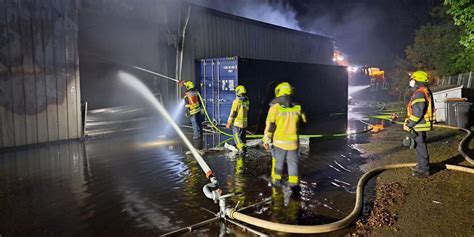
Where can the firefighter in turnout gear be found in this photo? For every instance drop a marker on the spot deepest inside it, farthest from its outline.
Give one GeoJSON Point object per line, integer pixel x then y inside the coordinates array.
{"type": "Point", "coordinates": [420, 118]}
{"type": "Point", "coordinates": [238, 117]}
{"type": "Point", "coordinates": [193, 108]}
{"type": "Point", "coordinates": [281, 133]}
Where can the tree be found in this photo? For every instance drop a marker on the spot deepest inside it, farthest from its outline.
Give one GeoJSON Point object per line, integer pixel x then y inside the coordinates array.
{"type": "Point", "coordinates": [462, 12]}
{"type": "Point", "coordinates": [436, 47]}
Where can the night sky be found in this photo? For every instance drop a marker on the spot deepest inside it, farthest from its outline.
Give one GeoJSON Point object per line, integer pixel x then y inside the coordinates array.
{"type": "Point", "coordinates": [370, 32]}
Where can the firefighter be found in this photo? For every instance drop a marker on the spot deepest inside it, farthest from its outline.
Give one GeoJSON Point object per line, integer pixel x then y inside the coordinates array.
{"type": "Point", "coordinates": [420, 118]}
{"type": "Point", "coordinates": [193, 108]}
{"type": "Point", "coordinates": [238, 117]}
{"type": "Point", "coordinates": [281, 133]}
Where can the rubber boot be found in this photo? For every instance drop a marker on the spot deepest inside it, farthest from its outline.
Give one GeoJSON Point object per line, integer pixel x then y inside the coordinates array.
{"type": "Point", "coordinates": [295, 191]}
{"type": "Point", "coordinates": [420, 173]}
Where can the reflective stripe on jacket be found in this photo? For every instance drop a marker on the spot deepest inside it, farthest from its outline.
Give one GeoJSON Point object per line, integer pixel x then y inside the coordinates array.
{"type": "Point", "coordinates": [420, 110]}
{"type": "Point", "coordinates": [239, 112]}
{"type": "Point", "coordinates": [192, 102]}
{"type": "Point", "coordinates": [282, 126]}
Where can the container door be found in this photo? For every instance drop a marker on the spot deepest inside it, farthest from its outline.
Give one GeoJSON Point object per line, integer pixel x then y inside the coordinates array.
{"type": "Point", "coordinates": [207, 88]}
{"type": "Point", "coordinates": [227, 81]}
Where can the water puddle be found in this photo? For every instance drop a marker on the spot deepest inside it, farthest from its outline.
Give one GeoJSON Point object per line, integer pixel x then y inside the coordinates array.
{"type": "Point", "coordinates": [143, 184]}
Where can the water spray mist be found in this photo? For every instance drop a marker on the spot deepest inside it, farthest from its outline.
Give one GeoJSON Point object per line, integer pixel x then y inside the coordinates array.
{"type": "Point", "coordinates": [136, 84]}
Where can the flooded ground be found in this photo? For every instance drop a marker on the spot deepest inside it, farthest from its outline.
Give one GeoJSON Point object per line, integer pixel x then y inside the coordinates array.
{"type": "Point", "coordinates": [145, 185]}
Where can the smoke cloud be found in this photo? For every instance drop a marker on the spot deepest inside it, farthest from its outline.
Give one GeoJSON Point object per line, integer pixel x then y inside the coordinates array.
{"type": "Point", "coordinates": [272, 12]}
{"type": "Point", "coordinates": [357, 30]}
{"type": "Point", "coordinates": [369, 32]}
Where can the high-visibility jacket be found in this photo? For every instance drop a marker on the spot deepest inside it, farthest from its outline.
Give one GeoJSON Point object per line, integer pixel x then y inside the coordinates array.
{"type": "Point", "coordinates": [192, 102]}
{"type": "Point", "coordinates": [239, 112]}
{"type": "Point", "coordinates": [282, 126]}
{"type": "Point", "coordinates": [420, 110]}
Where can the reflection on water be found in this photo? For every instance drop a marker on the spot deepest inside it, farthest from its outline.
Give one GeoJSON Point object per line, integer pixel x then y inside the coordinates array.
{"type": "Point", "coordinates": [43, 189]}
{"type": "Point", "coordinates": [131, 185]}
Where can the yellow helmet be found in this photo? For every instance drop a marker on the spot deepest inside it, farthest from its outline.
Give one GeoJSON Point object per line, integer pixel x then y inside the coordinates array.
{"type": "Point", "coordinates": [239, 90]}
{"type": "Point", "coordinates": [189, 85]}
{"type": "Point", "coordinates": [282, 89]}
{"type": "Point", "coordinates": [420, 76]}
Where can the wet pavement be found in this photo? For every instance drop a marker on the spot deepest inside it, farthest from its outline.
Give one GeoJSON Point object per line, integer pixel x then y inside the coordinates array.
{"type": "Point", "coordinates": [145, 185]}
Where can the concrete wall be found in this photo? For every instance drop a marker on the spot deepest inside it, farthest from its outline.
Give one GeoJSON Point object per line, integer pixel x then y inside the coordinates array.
{"type": "Point", "coordinates": [39, 72]}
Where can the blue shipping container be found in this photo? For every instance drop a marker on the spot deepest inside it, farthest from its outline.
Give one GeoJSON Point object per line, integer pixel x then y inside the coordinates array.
{"type": "Point", "coordinates": [320, 89]}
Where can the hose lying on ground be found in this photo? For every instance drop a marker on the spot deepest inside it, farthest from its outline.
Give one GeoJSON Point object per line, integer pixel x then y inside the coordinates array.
{"type": "Point", "coordinates": [348, 220]}
{"type": "Point", "coordinates": [462, 143]}
{"type": "Point", "coordinates": [261, 136]}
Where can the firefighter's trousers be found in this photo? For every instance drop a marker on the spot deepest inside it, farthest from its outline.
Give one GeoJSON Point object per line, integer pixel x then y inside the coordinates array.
{"type": "Point", "coordinates": [422, 157]}
{"type": "Point", "coordinates": [280, 157]}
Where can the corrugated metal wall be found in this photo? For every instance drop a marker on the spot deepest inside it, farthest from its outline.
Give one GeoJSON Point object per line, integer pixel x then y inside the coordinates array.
{"type": "Point", "coordinates": [63, 159]}
{"type": "Point", "coordinates": [39, 72]}
{"type": "Point", "coordinates": [213, 34]}
{"type": "Point", "coordinates": [117, 33]}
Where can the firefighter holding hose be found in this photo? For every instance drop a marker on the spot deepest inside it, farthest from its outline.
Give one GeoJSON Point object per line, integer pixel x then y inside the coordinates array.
{"type": "Point", "coordinates": [420, 118]}
{"type": "Point", "coordinates": [238, 117]}
{"type": "Point", "coordinates": [193, 108]}
{"type": "Point", "coordinates": [281, 132]}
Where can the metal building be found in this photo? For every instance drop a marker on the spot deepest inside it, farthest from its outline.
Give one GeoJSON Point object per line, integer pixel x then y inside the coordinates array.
{"type": "Point", "coordinates": [39, 86]}
{"type": "Point", "coordinates": [39, 72]}
{"type": "Point", "coordinates": [212, 34]}
{"type": "Point", "coordinates": [116, 34]}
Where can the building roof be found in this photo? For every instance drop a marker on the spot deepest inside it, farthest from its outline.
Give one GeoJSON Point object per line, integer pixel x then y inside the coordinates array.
{"type": "Point", "coordinates": [255, 22]}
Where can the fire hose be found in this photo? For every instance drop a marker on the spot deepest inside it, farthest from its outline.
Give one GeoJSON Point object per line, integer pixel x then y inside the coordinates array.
{"type": "Point", "coordinates": [214, 126]}
{"type": "Point", "coordinates": [232, 213]}
{"type": "Point", "coordinates": [210, 190]}
{"type": "Point", "coordinates": [349, 219]}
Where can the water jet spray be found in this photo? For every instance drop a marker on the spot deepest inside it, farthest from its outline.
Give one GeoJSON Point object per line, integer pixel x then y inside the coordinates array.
{"type": "Point", "coordinates": [354, 89]}
{"type": "Point", "coordinates": [136, 84]}
{"type": "Point", "coordinates": [210, 190]}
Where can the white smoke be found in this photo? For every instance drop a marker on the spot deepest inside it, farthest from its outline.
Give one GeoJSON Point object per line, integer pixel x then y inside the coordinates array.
{"type": "Point", "coordinates": [276, 13]}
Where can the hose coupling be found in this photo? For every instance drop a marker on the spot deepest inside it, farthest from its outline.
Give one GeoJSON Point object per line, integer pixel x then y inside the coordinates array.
{"type": "Point", "coordinates": [222, 204]}
{"type": "Point", "coordinates": [229, 212]}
